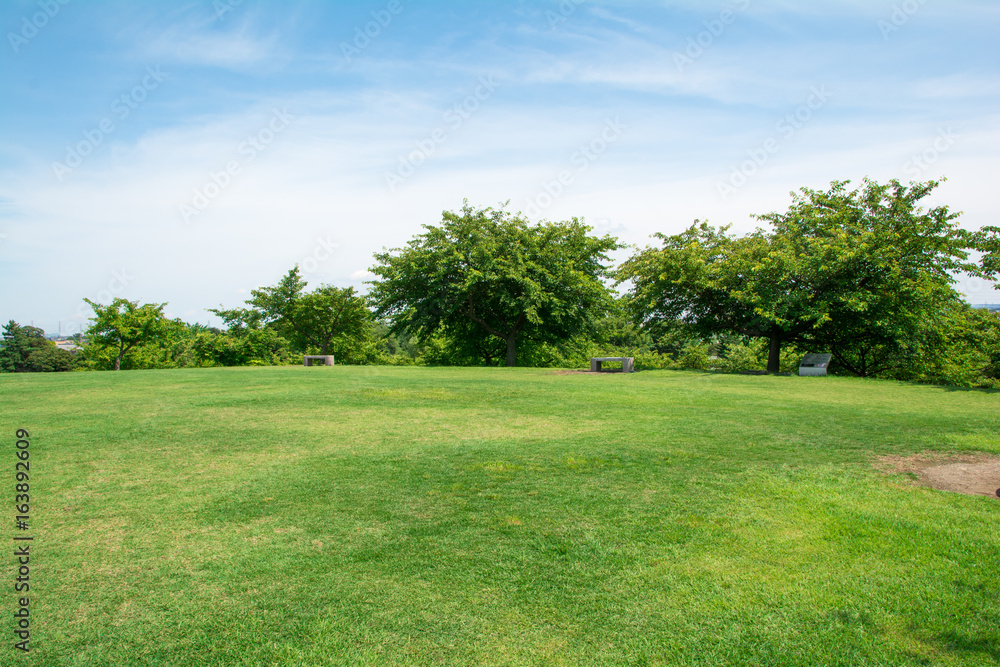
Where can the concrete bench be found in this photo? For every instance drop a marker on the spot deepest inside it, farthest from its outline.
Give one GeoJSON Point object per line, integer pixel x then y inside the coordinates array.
{"type": "Point", "coordinates": [815, 364]}
{"type": "Point", "coordinates": [628, 363]}
{"type": "Point", "coordinates": [319, 359]}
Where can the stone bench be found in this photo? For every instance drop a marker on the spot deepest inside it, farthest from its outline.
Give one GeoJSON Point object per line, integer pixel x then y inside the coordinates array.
{"type": "Point", "coordinates": [321, 359]}
{"type": "Point", "coordinates": [628, 363]}
{"type": "Point", "coordinates": [815, 364]}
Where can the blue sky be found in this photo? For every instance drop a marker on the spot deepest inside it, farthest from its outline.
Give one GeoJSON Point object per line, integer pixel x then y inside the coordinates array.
{"type": "Point", "coordinates": [188, 152]}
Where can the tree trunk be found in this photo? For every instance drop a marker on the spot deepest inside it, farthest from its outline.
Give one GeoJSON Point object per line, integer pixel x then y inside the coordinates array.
{"type": "Point", "coordinates": [511, 356]}
{"type": "Point", "coordinates": [774, 354]}
{"type": "Point", "coordinates": [118, 362]}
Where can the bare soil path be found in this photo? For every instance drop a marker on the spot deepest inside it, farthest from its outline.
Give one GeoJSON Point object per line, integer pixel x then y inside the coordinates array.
{"type": "Point", "coordinates": [973, 474]}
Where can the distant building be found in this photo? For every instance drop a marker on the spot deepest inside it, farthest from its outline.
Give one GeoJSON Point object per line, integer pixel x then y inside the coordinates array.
{"type": "Point", "coordinates": [992, 307]}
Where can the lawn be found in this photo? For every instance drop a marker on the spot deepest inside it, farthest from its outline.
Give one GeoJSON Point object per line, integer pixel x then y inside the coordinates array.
{"type": "Point", "coordinates": [442, 516]}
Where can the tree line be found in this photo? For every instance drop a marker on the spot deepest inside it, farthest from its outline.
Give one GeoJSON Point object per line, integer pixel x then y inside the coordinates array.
{"type": "Point", "coordinates": [865, 274]}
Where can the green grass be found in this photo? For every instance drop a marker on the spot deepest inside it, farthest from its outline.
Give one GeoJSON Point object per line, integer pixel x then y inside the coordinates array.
{"type": "Point", "coordinates": [435, 516]}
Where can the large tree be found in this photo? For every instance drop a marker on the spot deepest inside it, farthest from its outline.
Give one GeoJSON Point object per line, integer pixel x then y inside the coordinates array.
{"type": "Point", "coordinates": [123, 325]}
{"type": "Point", "coordinates": [494, 271]}
{"type": "Point", "coordinates": [837, 269]}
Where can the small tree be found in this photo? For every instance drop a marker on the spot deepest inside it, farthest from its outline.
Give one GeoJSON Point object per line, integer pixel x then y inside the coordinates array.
{"type": "Point", "coordinates": [268, 306]}
{"type": "Point", "coordinates": [319, 318]}
{"type": "Point", "coordinates": [125, 324]}
{"type": "Point", "coordinates": [326, 313]}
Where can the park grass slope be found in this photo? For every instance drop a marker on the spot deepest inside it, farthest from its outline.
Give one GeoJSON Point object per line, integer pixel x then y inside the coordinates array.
{"type": "Point", "coordinates": [426, 516]}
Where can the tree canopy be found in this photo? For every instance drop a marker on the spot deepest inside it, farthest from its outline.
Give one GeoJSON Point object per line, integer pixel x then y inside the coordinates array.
{"type": "Point", "coordinates": [488, 273]}
{"type": "Point", "coordinates": [849, 270]}
{"type": "Point", "coordinates": [123, 324]}
{"type": "Point", "coordinates": [319, 318]}
{"type": "Point", "coordinates": [25, 349]}
{"type": "Point", "coordinates": [268, 306]}
{"type": "Point", "coordinates": [326, 313]}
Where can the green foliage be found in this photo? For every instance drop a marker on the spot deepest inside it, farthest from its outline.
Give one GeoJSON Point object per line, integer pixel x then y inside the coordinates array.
{"type": "Point", "coordinates": [741, 357]}
{"type": "Point", "coordinates": [486, 273]}
{"type": "Point", "coordinates": [694, 357]}
{"type": "Point", "coordinates": [50, 359]}
{"type": "Point", "coordinates": [394, 348]}
{"type": "Point", "coordinates": [460, 346]}
{"type": "Point", "coordinates": [183, 345]}
{"type": "Point", "coordinates": [269, 306]}
{"type": "Point", "coordinates": [987, 241]}
{"type": "Point", "coordinates": [327, 314]}
{"type": "Point", "coordinates": [328, 320]}
{"type": "Point", "coordinates": [26, 350]}
{"type": "Point", "coordinates": [122, 325]}
{"type": "Point", "coordinates": [249, 347]}
{"type": "Point", "coordinates": [958, 346]}
{"type": "Point", "coordinates": [19, 343]}
{"type": "Point", "coordinates": [853, 271]}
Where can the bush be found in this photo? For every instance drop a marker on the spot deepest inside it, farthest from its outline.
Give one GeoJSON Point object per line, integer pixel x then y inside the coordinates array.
{"type": "Point", "coordinates": [740, 358]}
{"type": "Point", "coordinates": [694, 357]}
{"type": "Point", "coordinates": [51, 359]}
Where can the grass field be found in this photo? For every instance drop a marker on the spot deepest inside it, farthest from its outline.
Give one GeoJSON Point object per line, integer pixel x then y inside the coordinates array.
{"type": "Point", "coordinates": [436, 516]}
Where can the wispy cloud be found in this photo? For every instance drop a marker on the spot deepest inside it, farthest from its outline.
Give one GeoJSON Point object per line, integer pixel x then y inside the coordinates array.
{"type": "Point", "coordinates": [234, 48]}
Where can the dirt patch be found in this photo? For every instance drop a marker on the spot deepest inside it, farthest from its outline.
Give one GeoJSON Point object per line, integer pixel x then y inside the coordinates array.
{"type": "Point", "coordinates": [972, 474]}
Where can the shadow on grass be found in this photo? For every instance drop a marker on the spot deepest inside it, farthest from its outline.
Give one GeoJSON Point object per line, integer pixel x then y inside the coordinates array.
{"type": "Point", "coordinates": [989, 646]}
{"type": "Point", "coordinates": [978, 390]}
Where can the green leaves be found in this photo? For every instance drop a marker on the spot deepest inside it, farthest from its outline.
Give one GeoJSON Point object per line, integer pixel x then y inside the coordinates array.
{"type": "Point", "coordinates": [25, 348]}
{"type": "Point", "coordinates": [123, 324]}
{"type": "Point", "coordinates": [496, 272]}
{"type": "Point", "coordinates": [836, 268]}
{"type": "Point", "coordinates": [328, 317]}
{"type": "Point", "coordinates": [326, 314]}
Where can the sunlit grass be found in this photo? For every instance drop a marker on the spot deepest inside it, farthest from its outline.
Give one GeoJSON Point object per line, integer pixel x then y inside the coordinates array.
{"type": "Point", "coordinates": [396, 516]}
